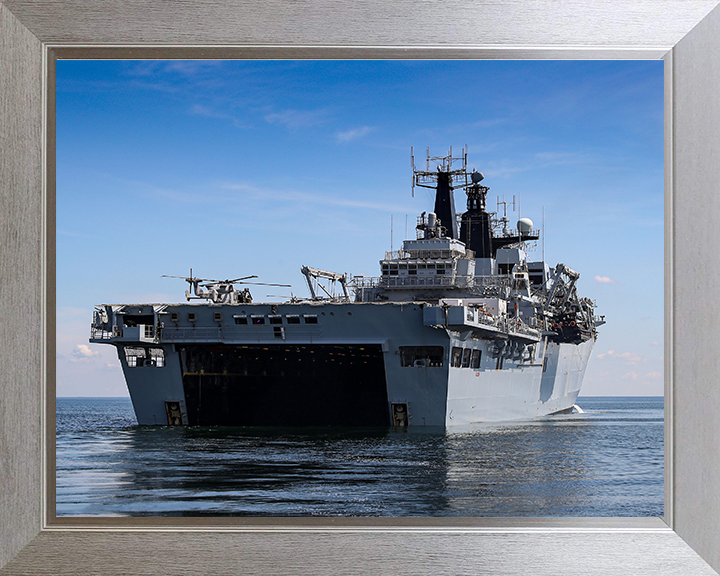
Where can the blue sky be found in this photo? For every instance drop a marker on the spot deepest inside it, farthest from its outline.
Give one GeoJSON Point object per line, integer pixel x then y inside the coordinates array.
{"type": "Point", "coordinates": [236, 168]}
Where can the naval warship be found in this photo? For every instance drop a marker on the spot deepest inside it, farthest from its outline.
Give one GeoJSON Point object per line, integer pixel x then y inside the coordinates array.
{"type": "Point", "coordinates": [459, 327]}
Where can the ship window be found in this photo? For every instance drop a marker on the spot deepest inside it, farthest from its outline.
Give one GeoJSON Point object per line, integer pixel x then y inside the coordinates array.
{"type": "Point", "coordinates": [431, 356]}
{"type": "Point", "coordinates": [393, 272]}
{"type": "Point", "coordinates": [134, 356]}
{"type": "Point", "coordinates": [385, 273]}
{"type": "Point", "coordinates": [403, 266]}
{"type": "Point", "coordinates": [445, 253]}
{"type": "Point", "coordinates": [191, 316]}
{"type": "Point", "coordinates": [431, 265]}
{"type": "Point", "coordinates": [174, 316]}
{"type": "Point", "coordinates": [293, 319]}
{"type": "Point", "coordinates": [240, 319]}
{"type": "Point", "coordinates": [258, 319]}
{"type": "Point", "coordinates": [217, 316]}
{"type": "Point", "coordinates": [157, 358]}
{"type": "Point", "coordinates": [393, 266]}
{"type": "Point", "coordinates": [456, 359]}
{"type": "Point", "coordinates": [310, 319]}
{"type": "Point", "coordinates": [412, 272]}
{"type": "Point", "coordinates": [440, 271]}
{"type": "Point", "coordinates": [136, 319]}
{"type": "Point", "coordinates": [466, 358]}
{"type": "Point", "coordinates": [412, 265]}
{"type": "Point", "coordinates": [422, 266]}
{"type": "Point", "coordinates": [275, 319]}
{"type": "Point", "coordinates": [476, 356]}
{"type": "Point", "coordinates": [384, 266]}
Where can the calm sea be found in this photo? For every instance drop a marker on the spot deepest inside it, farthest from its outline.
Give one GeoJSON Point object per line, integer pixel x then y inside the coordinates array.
{"type": "Point", "coordinates": [605, 462]}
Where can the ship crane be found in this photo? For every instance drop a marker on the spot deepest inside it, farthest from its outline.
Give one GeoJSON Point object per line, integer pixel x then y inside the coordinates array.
{"type": "Point", "coordinates": [313, 274]}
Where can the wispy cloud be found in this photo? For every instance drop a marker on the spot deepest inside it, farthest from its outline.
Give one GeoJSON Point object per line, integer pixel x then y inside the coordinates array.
{"type": "Point", "coordinates": [192, 67]}
{"type": "Point", "coordinates": [353, 134]}
{"type": "Point", "coordinates": [200, 110]}
{"type": "Point", "coordinates": [184, 67]}
{"type": "Point", "coordinates": [631, 359]}
{"type": "Point", "coordinates": [486, 123]}
{"type": "Point", "coordinates": [83, 353]}
{"type": "Point", "coordinates": [297, 119]}
{"type": "Point", "coordinates": [306, 198]}
{"type": "Point", "coordinates": [558, 157]}
{"type": "Point", "coordinates": [605, 280]}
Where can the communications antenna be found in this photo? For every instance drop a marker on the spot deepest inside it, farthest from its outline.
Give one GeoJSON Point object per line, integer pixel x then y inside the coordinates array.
{"type": "Point", "coordinates": [428, 178]}
{"type": "Point", "coordinates": [504, 218]}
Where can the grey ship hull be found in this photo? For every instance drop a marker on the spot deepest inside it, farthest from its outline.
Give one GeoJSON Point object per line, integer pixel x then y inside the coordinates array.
{"type": "Point", "coordinates": [353, 364]}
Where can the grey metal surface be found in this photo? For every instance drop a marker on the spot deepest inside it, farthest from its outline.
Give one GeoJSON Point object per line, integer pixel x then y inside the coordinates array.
{"type": "Point", "coordinates": [634, 23]}
{"type": "Point", "coordinates": [383, 552]}
{"type": "Point", "coordinates": [20, 279]}
{"type": "Point", "coordinates": [696, 173]}
{"type": "Point", "coordinates": [532, 29]}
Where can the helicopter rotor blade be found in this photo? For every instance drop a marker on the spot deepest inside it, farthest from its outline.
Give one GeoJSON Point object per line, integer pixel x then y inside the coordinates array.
{"type": "Point", "coordinates": [190, 279]}
{"type": "Point", "coordinates": [264, 284]}
{"type": "Point", "coordinates": [239, 279]}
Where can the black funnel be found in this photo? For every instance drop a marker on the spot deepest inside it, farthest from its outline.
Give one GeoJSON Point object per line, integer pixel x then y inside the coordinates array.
{"type": "Point", "coordinates": [445, 204]}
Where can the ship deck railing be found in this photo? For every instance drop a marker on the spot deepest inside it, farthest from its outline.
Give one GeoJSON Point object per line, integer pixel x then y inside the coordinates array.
{"type": "Point", "coordinates": [100, 334]}
{"type": "Point", "coordinates": [433, 281]}
{"type": "Point", "coordinates": [425, 254]}
{"type": "Point", "coordinates": [228, 334]}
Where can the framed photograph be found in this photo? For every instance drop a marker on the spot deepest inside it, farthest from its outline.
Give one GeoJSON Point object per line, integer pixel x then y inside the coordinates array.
{"type": "Point", "coordinates": [249, 169]}
{"type": "Point", "coordinates": [33, 539]}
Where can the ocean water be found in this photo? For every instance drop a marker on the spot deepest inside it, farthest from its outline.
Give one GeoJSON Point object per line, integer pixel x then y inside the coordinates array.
{"type": "Point", "coordinates": [607, 461]}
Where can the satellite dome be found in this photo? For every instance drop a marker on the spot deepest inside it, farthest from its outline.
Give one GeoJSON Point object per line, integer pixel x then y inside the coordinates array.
{"type": "Point", "coordinates": [525, 225]}
{"type": "Point", "coordinates": [477, 177]}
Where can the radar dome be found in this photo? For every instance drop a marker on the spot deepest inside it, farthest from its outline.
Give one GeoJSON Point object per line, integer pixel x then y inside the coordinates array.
{"type": "Point", "coordinates": [525, 225]}
{"type": "Point", "coordinates": [477, 177]}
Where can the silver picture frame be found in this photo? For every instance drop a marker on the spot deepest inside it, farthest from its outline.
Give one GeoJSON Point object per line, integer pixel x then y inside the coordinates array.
{"type": "Point", "coordinates": [685, 33]}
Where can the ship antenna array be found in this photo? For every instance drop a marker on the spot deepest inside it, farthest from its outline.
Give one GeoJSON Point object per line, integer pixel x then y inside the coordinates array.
{"type": "Point", "coordinates": [444, 163]}
{"type": "Point", "coordinates": [504, 218]}
{"type": "Point", "coordinates": [543, 233]}
{"type": "Point", "coordinates": [505, 205]}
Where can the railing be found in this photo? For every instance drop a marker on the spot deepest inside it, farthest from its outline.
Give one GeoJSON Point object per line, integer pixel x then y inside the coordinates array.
{"type": "Point", "coordinates": [182, 334]}
{"type": "Point", "coordinates": [424, 254]}
{"type": "Point", "coordinates": [100, 334]}
{"type": "Point", "coordinates": [143, 332]}
{"type": "Point", "coordinates": [500, 233]}
{"type": "Point", "coordinates": [519, 327]}
{"type": "Point", "coordinates": [246, 334]}
{"type": "Point", "coordinates": [473, 316]}
{"type": "Point", "coordinates": [434, 281]}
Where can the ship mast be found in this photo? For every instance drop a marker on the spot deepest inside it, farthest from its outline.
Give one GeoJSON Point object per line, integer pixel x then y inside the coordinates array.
{"type": "Point", "coordinates": [444, 179]}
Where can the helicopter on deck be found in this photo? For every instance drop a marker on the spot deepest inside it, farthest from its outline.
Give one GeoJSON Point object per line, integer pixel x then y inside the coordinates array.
{"type": "Point", "coordinates": [220, 291]}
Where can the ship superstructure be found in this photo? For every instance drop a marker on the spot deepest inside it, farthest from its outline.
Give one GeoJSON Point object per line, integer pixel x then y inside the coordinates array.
{"type": "Point", "coordinates": [459, 327]}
